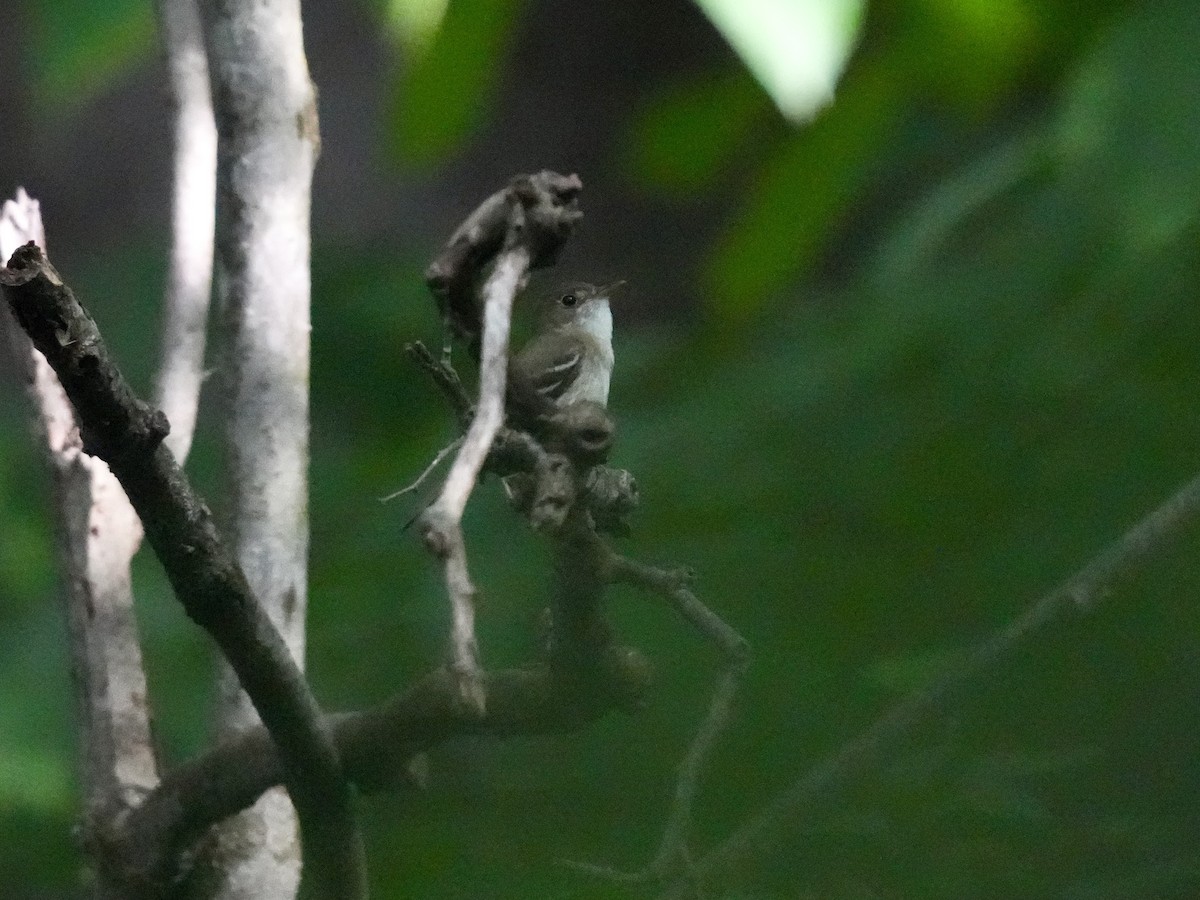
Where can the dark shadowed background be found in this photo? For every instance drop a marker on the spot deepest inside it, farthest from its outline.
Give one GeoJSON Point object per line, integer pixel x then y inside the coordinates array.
{"type": "Point", "coordinates": [883, 378]}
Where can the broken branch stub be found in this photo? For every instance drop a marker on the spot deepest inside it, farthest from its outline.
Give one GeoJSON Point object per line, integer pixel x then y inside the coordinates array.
{"type": "Point", "coordinates": [537, 211]}
{"type": "Point", "coordinates": [510, 233]}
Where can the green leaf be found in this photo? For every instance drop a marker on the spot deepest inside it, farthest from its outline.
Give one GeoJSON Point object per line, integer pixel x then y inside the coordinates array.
{"type": "Point", "coordinates": [416, 22]}
{"type": "Point", "coordinates": [443, 94]}
{"type": "Point", "coordinates": [689, 132]}
{"type": "Point", "coordinates": [986, 44]}
{"type": "Point", "coordinates": [805, 187]}
{"type": "Point", "coordinates": [796, 49]}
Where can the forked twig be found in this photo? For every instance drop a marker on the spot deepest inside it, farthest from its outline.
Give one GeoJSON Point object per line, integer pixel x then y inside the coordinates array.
{"type": "Point", "coordinates": [555, 477]}
{"type": "Point", "coordinates": [588, 564]}
{"type": "Point", "coordinates": [127, 434]}
{"type": "Point", "coordinates": [673, 859]}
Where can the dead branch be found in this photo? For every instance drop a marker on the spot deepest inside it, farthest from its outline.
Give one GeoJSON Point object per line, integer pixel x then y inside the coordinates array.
{"type": "Point", "coordinates": [127, 434]}
{"type": "Point", "coordinates": [375, 746]}
{"type": "Point", "coordinates": [537, 212]}
{"type": "Point", "coordinates": [548, 489]}
{"type": "Point", "coordinates": [98, 534]}
{"type": "Point", "coordinates": [441, 523]}
{"type": "Point", "coordinates": [514, 230]}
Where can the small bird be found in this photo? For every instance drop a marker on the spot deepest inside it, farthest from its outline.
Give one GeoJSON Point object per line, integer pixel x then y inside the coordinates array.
{"type": "Point", "coordinates": [570, 358]}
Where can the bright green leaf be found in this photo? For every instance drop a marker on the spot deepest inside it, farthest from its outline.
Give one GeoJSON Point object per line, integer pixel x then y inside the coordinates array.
{"type": "Point", "coordinates": [797, 49]}
{"type": "Point", "coordinates": [985, 44]}
{"type": "Point", "coordinates": [416, 22]}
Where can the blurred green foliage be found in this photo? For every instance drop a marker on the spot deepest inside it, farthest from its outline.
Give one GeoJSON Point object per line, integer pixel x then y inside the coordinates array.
{"type": "Point", "coordinates": [443, 91]}
{"type": "Point", "coordinates": [415, 22]}
{"type": "Point", "coordinates": [77, 48]}
{"type": "Point", "coordinates": [871, 471]}
{"type": "Point", "coordinates": [664, 154]}
{"type": "Point", "coordinates": [795, 48]}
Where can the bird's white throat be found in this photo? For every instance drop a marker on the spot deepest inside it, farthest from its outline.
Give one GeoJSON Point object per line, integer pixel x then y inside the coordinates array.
{"type": "Point", "coordinates": [596, 320]}
{"type": "Point", "coordinates": [595, 324]}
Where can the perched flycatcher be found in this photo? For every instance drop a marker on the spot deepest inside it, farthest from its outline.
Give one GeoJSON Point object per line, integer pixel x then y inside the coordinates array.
{"type": "Point", "coordinates": [570, 357]}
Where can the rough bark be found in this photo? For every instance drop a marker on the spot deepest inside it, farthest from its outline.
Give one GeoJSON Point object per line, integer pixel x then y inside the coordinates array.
{"type": "Point", "coordinates": [265, 106]}
{"type": "Point", "coordinates": [128, 435]}
{"type": "Point", "coordinates": [98, 533]}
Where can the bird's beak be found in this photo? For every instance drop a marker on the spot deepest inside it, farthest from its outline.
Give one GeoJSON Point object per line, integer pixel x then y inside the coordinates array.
{"type": "Point", "coordinates": [609, 289]}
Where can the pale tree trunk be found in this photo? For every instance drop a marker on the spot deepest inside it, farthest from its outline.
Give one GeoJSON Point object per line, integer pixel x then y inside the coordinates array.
{"type": "Point", "coordinates": [97, 535]}
{"type": "Point", "coordinates": [266, 114]}
{"type": "Point", "coordinates": [98, 530]}
{"type": "Point", "coordinates": [189, 279]}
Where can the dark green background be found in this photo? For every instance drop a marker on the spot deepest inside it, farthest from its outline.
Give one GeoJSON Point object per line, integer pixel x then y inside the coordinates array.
{"type": "Point", "coordinates": [933, 352]}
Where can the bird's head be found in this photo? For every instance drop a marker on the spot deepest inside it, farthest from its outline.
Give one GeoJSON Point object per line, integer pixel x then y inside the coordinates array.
{"type": "Point", "coordinates": [578, 304]}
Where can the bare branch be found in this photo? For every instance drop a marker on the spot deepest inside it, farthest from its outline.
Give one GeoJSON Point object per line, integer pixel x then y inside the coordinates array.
{"type": "Point", "coordinates": [673, 858]}
{"type": "Point", "coordinates": [128, 435]}
{"type": "Point", "coordinates": [535, 211]}
{"type": "Point", "coordinates": [193, 205]}
{"type": "Point", "coordinates": [1095, 582]}
{"type": "Point", "coordinates": [588, 675]}
{"type": "Point", "coordinates": [375, 746]}
{"type": "Point", "coordinates": [672, 586]}
{"type": "Point", "coordinates": [441, 524]}
{"type": "Point", "coordinates": [522, 227]}
{"type": "Point", "coordinates": [98, 533]}
{"type": "Point", "coordinates": [545, 487]}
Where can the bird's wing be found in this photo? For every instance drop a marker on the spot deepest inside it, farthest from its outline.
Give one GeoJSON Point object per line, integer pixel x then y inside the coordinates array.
{"type": "Point", "coordinates": [550, 367]}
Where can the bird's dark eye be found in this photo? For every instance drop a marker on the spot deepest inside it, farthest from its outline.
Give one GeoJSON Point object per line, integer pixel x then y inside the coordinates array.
{"type": "Point", "coordinates": [568, 300]}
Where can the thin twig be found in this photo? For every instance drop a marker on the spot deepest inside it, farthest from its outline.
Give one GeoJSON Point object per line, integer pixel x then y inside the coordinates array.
{"type": "Point", "coordinates": [1092, 584]}
{"type": "Point", "coordinates": [673, 858]}
{"type": "Point", "coordinates": [420, 479]}
{"type": "Point", "coordinates": [446, 378]}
